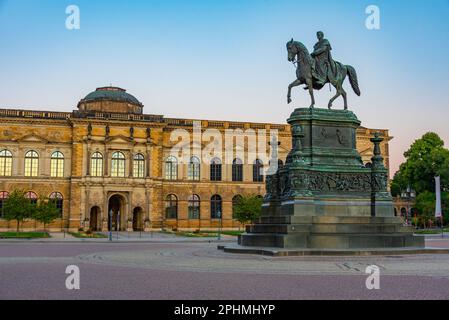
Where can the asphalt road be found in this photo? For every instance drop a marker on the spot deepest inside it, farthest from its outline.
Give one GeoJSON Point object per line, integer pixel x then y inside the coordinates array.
{"type": "Point", "coordinates": [197, 270]}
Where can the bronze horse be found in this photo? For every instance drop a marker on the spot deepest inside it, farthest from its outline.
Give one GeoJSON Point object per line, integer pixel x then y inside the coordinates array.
{"type": "Point", "coordinates": [299, 54]}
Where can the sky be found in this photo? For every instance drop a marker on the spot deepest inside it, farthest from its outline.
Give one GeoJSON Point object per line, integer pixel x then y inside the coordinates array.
{"type": "Point", "coordinates": [226, 59]}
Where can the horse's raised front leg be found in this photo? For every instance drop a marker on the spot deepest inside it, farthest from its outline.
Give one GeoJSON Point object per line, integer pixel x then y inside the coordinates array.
{"type": "Point", "coordinates": [310, 86]}
{"type": "Point", "coordinates": [290, 86]}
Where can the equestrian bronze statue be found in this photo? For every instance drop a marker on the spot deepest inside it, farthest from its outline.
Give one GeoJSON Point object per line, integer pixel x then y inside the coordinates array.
{"type": "Point", "coordinates": [318, 68]}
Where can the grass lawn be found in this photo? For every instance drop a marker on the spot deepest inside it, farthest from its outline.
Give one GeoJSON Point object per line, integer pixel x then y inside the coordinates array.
{"type": "Point", "coordinates": [85, 235]}
{"type": "Point", "coordinates": [431, 231]}
{"type": "Point", "coordinates": [23, 235]}
{"type": "Point", "coordinates": [226, 232]}
{"type": "Point", "coordinates": [207, 233]}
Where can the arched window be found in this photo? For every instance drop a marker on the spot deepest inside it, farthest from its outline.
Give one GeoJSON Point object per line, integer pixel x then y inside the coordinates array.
{"type": "Point", "coordinates": [235, 201]}
{"type": "Point", "coordinates": [237, 170]}
{"type": "Point", "coordinates": [216, 207]}
{"type": "Point", "coordinates": [171, 207]}
{"type": "Point", "coordinates": [5, 163]}
{"type": "Point", "coordinates": [3, 196]}
{"type": "Point", "coordinates": [215, 170]}
{"type": "Point", "coordinates": [194, 169]}
{"type": "Point", "coordinates": [194, 207]}
{"type": "Point", "coordinates": [57, 165]}
{"type": "Point", "coordinates": [96, 168]}
{"type": "Point", "coordinates": [118, 165]}
{"type": "Point", "coordinates": [257, 171]}
{"type": "Point", "coordinates": [171, 168]}
{"type": "Point", "coordinates": [58, 199]}
{"type": "Point", "coordinates": [139, 166]}
{"type": "Point", "coordinates": [31, 163]}
{"type": "Point", "coordinates": [32, 196]}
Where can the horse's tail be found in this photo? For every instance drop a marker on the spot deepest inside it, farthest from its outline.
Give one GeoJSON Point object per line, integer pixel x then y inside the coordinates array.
{"type": "Point", "coordinates": [353, 79]}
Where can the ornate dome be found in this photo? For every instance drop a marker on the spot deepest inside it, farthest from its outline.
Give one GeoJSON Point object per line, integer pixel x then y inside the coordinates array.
{"type": "Point", "coordinates": [110, 99]}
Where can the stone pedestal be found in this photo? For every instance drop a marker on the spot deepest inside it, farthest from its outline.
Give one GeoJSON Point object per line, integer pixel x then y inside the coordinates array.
{"type": "Point", "coordinates": [324, 196]}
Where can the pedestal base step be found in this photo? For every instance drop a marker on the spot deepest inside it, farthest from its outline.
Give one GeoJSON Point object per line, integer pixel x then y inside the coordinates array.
{"type": "Point", "coordinates": [282, 252]}
{"type": "Point", "coordinates": [331, 240]}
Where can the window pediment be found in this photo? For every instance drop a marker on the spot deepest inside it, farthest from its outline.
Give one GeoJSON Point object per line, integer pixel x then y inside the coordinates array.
{"type": "Point", "coordinates": [32, 138]}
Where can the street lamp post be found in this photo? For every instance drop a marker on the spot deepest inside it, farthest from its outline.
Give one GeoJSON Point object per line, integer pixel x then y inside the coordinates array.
{"type": "Point", "coordinates": [408, 194]}
{"type": "Point", "coordinates": [110, 225]}
{"type": "Point", "coordinates": [117, 223]}
{"type": "Point", "coordinates": [219, 226]}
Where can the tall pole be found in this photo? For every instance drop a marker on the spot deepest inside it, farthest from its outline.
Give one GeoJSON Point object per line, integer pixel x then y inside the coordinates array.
{"type": "Point", "coordinates": [438, 211]}
{"type": "Point", "coordinates": [117, 224]}
{"type": "Point", "coordinates": [110, 225]}
{"type": "Point", "coordinates": [219, 226]}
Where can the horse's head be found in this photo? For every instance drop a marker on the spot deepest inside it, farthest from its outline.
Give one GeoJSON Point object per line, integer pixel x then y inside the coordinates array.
{"type": "Point", "coordinates": [292, 50]}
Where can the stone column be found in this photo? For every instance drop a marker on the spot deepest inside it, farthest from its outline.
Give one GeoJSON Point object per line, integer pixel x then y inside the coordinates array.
{"type": "Point", "coordinates": [88, 160]}
{"type": "Point", "coordinates": [148, 162]}
{"type": "Point", "coordinates": [131, 163]}
{"type": "Point", "coordinates": [105, 212]}
{"type": "Point", "coordinates": [147, 212]}
{"type": "Point", "coordinates": [129, 214]}
{"type": "Point", "coordinates": [106, 162]}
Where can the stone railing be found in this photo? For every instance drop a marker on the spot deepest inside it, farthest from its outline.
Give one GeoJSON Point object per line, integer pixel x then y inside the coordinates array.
{"type": "Point", "coordinates": [13, 113]}
{"type": "Point", "coordinates": [34, 114]}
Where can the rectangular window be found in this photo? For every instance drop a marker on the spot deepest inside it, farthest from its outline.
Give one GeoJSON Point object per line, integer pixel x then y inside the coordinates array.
{"type": "Point", "coordinates": [5, 166]}
{"type": "Point", "coordinates": [97, 167]}
{"type": "Point", "coordinates": [194, 212]}
{"type": "Point", "coordinates": [31, 166]}
{"type": "Point", "coordinates": [139, 168]}
{"type": "Point", "coordinates": [194, 171]}
{"type": "Point", "coordinates": [118, 168]}
{"type": "Point", "coordinates": [215, 172]}
{"type": "Point", "coordinates": [57, 168]}
{"type": "Point", "coordinates": [171, 171]}
{"type": "Point", "coordinates": [237, 172]}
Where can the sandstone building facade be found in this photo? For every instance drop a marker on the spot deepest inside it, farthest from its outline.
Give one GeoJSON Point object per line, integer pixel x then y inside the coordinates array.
{"type": "Point", "coordinates": [110, 166]}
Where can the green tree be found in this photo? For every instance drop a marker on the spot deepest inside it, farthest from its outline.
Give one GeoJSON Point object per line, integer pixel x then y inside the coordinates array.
{"type": "Point", "coordinates": [46, 211]}
{"type": "Point", "coordinates": [425, 203]}
{"type": "Point", "coordinates": [17, 207]}
{"type": "Point", "coordinates": [248, 208]}
{"type": "Point", "coordinates": [425, 159]}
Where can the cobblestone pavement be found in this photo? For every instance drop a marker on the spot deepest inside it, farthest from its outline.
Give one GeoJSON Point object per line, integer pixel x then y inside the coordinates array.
{"type": "Point", "coordinates": [197, 270]}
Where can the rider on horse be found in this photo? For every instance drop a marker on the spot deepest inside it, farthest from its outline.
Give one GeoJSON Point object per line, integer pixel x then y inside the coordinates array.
{"type": "Point", "coordinates": [323, 68]}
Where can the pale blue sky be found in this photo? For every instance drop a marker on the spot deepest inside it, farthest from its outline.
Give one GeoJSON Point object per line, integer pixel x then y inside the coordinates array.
{"type": "Point", "coordinates": [226, 59]}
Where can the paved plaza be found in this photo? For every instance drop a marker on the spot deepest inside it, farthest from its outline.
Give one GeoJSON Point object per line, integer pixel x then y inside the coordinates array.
{"type": "Point", "coordinates": [166, 267]}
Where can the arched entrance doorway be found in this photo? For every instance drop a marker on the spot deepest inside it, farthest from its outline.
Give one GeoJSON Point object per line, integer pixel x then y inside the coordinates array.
{"type": "Point", "coordinates": [94, 218]}
{"type": "Point", "coordinates": [137, 219]}
{"type": "Point", "coordinates": [116, 213]}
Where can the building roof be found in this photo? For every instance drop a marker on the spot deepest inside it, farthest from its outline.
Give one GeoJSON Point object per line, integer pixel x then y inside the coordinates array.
{"type": "Point", "coordinates": [111, 94]}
